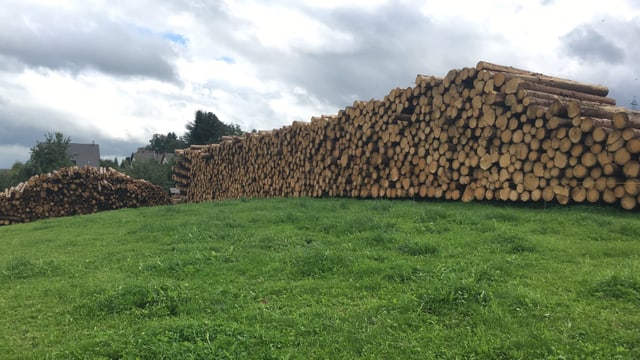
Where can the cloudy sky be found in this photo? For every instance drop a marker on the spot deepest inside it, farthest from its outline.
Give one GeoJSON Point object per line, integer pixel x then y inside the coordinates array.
{"type": "Point", "coordinates": [116, 72]}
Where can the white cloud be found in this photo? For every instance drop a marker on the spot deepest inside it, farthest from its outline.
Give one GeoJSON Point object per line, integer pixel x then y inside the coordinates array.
{"type": "Point", "coordinates": [296, 105]}
{"type": "Point", "coordinates": [120, 71]}
{"type": "Point", "coordinates": [362, 4]}
{"type": "Point", "coordinates": [288, 29]}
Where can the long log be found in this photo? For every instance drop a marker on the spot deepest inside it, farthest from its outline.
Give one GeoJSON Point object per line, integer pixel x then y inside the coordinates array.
{"type": "Point", "coordinates": [625, 119]}
{"type": "Point", "coordinates": [537, 78]}
{"type": "Point", "coordinates": [562, 94]}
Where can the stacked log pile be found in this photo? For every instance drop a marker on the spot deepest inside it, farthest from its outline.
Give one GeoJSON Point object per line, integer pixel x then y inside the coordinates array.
{"type": "Point", "coordinates": [486, 132]}
{"type": "Point", "coordinates": [74, 191]}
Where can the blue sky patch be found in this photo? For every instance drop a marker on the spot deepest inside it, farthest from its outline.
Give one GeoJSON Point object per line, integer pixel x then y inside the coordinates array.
{"type": "Point", "coordinates": [176, 38]}
{"type": "Point", "coordinates": [227, 59]}
{"type": "Point", "coordinates": [173, 37]}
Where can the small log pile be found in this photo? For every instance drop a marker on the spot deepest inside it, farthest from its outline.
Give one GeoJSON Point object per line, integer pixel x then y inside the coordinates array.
{"type": "Point", "coordinates": [481, 133]}
{"type": "Point", "coordinates": [75, 191]}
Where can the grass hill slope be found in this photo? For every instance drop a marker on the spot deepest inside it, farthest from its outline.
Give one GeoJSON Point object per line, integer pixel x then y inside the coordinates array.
{"type": "Point", "coordinates": [323, 278]}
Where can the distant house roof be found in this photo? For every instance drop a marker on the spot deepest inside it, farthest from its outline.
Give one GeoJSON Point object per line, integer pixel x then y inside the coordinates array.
{"type": "Point", "coordinates": [84, 154]}
{"type": "Point", "coordinates": [146, 155]}
{"type": "Point", "coordinates": [167, 157]}
{"type": "Point", "coordinates": [143, 155]}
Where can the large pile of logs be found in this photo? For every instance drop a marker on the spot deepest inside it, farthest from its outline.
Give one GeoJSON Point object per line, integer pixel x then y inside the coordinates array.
{"type": "Point", "coordinates": [74, 191]}
{"type": "Point", "coordinates": [487, 132]}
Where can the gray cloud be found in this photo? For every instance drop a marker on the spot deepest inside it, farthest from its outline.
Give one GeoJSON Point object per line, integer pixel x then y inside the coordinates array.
{"type": "Point", "coordinates": [23, 127]}
{"type": "Point", "coordinates": [610, 55]}
{"type": "Point", "coordinates": [623, 83]}
{"type": "Point", "coordinates": [79, 41]}
{"type": "Point", "coordinates": [10, 64]}
{"type": "Point", "coordinates": [634, 3]}
{"type": "Point", "coordinates": [391, 44]}
{"type": "Point", "coordinates": [387, 47]}
{"type": "Point", "coordinates": [12, 154]}
{"type": "Point", "coordinates": [371, 68]}
{"type": "Point", "coordinates": [588, 44]}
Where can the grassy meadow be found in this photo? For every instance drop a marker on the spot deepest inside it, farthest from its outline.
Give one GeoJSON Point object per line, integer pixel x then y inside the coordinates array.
{"type": "Point", "coordinates": [324, 279]}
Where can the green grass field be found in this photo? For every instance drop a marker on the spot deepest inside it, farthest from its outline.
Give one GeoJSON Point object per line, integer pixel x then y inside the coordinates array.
{"type": "Point", "coordinates": [324, 279]}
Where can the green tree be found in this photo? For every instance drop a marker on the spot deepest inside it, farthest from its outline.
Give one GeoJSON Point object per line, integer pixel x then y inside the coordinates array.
{"type": "Point", "coordinates": [5, 180]}
{"type": "Point", "coordinates": [165, 143]}
{"type": "Point", "coordinates": [13, 176]}
{"type": "Point", "coordinates": [206, 128]}
{"type": "Point", "coordinates": [150, 170]}
{"type": "Point", "coordinates": [108, 163]}
{"type": "Point", "coordinates": [48, 155]}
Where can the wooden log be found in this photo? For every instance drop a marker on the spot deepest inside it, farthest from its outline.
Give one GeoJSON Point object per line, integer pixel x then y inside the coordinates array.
{"type": "Point", "coordinates": [630, 133]}
{"type": "Point", "coordinates": [579, 194]}
{"type": "Point", "coordinates": [587, 124]}
{"type": "Point", "coordinates": [615, 141]}
{"type": "Point", "coordinates": [584, 108]}
{"type": "Point", "coordinates": [600, 134]}
{"type": "Point", "coordinates": [628, 202]}
{"type": "Point", "coordinates": [622, 119]}
{"type": "Point", "coordinates": [557, 108]}
{"type": "Point", "coordinates": [515, 81]}
{"type": "Point", "coordinates": [575, 135]}
{"type": "Point", "coordinates": [557, 122]}
{"type": "Point", "coordinates": [632, 187]}
{"type": "Point", "coordinates": [554, 93]}
{"type": "Point", "coordinates": [593, 195]}
{"type": "Point", "coordinates": [631, 169]}
{"type": "Point", "coordinates": [621, 156]}
{"type": "Point", "coordinates": [597, 90]}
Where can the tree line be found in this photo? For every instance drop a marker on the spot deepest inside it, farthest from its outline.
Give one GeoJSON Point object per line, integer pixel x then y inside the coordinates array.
{"type": "Point", "coordinates": [51, 154]}
{"type": "Point", "coordinates": [206, 128]}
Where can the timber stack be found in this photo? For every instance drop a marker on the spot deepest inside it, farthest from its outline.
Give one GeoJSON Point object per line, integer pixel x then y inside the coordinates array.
{"type": "Point", "coordinates": [75, 191]}
{"type": "Point", "coordinates": [488, 132]}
